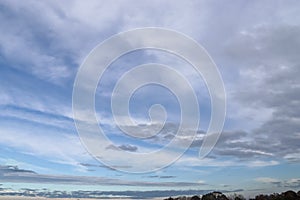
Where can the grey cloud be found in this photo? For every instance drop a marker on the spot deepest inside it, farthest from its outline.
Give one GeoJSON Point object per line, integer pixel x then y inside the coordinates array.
{"type": "Point", "coordinates": [42, 63]}
{"type": "Point", "coordinates": [8, 169]}
{"type": "Point", "coordinates": [264, 44]}
{"type": "Point", "coordinates": [268, 52]}
{"type": "Point", "coordinates": [14, 174]}
{"type": "Point", "coordinates": [113, 167]}
{"type": "Point", "coordinates": [89, 165]}
{"type": "Point", "coordinates": [125, 147]}
{"type": "Point", "coordinates": [237, 144]}
{"type": "Point", "coordinates": [275, 65]}
{"type": "Point", "coordinates": [167, 133]}
{"type": "Point", "coordinates": [291, 183]}
{"type": "Point", "coordinates": [53, 32]}
{"type": "Point", "coordinates": [36, 117]}
{"type": "Point", "coordinates": [240, 145]}
{"type": "Point", "coordinates": [153, 176]}
{"type": "Point", "coordinates": [268, 62]}
{"type": "Point", "coordinates": [128, 147]}
{"type": "Point", "coordinates": [109, 194]}
{"type": "Point", "coordinates": [161, 177]}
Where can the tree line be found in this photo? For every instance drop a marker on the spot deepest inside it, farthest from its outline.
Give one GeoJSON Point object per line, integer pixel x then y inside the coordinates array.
{"type": "Point", "coordinates": [288, 195]}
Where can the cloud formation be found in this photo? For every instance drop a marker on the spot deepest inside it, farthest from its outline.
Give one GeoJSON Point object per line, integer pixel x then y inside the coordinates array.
{"type": "Point", "coordinates": [14, 174]}
{"type": "Point", "coordinates": [290, 183]}
{"type": "Point", "coordinates": [255, 44]}
{"type": "Point", "coordinates": [125, 147]}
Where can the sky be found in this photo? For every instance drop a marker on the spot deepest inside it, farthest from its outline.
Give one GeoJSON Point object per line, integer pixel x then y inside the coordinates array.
{"type": "Point", "coordinates": [254, 44]}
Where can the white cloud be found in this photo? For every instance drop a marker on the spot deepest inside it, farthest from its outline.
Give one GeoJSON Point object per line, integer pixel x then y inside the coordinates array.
{"type": "Point", "coordinates": [288, 183]}
{"type": "Point", "coordinates": [218, 162]}
{"type": "Point", "coordinates": [258, 55]}
{"type": "Point", "coordinates": [267, 180]}
{"type": "Point", "coordinates": [52, 145]}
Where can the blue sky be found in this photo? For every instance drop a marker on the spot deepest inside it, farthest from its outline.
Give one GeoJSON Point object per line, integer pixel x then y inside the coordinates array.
{"type": "Point", "coordinates": [255, 45]}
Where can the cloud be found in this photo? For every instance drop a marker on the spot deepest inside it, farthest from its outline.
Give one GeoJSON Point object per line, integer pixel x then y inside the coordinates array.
{"type": "Point", "coordinates": [14, 170]}
{"type": "Point", "coordinates": [37, 117]}
{"type": "Point", "coordinates": [268, 180]}
{"type": "Point", "coordinates": [29, 31]}
{"type": "Point", "coordinates": [113, 167]}
{"type": "Point", "coordinates": [161, 177]}
{"type": "Point", "coordinates": [194, 161]}
{"type": "Point", "coordinates": [14, 174]}
{"type": "Point", "coordinates": [44, 75]}
{"type": "Point", "coordinates": [54, 54]}
{"type": "Point", "coordinates": [132, 194]}
{"type": "Point", "coordinates": [237, 145]}
{"type": "Point", "coordinates": [25, 96]}
{"type": "Point", "coordinates": [290, 183]}
{"type": "Point", "coordinates": [125, 147]}
{"type": "Point", "coordinates": [57, 26]}
{"type": "Point", "coordinates": [269, 84]}
{"type": "Point", "coordinates": [257, 53]}
{"type": "Point", "coordinates": [39, 139]}
{"type": "Point", "coordinates": [265, 93]}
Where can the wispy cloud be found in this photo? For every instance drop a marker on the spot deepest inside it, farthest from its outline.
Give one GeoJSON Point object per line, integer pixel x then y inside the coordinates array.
{"type": "Point", "coordinates": [290, 183]}
{"type": "Point", "coordinates": [256, 46]}
{"type": "Point", "coordinates": [125, 147]}
{"type": "Point", "coordinates": [14, 174]}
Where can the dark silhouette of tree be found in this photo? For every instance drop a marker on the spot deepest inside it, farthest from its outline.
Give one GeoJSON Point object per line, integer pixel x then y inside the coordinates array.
{"type": "Point", "coordinates": [288, 195]}
{"type": "Point", "coordinates": [214, 196]}
{"type": "Point", "coordinates": [236, 197]}
{"type": "Point", "coordinates": [261, 197]}
{"type": "Point", "coordinates": [170, 198]}
{"type": "Point", "coordinates": [195, 198]}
